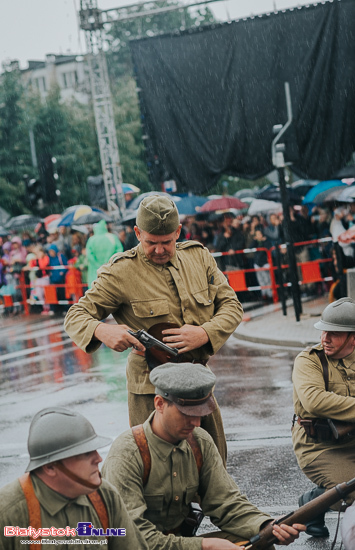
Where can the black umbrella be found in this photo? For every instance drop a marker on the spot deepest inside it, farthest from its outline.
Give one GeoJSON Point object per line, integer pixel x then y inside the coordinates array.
{"type": "Point", "coordinates": [347, 172]}
{"type": "Point", "coordinates": [25, 221]}
{"type": "Point", "coordinates": [93, 217]}
{"type": "Point", "coordinates": [274, 194]}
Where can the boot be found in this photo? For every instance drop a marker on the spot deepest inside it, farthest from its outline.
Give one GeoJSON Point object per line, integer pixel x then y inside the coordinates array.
{"type": "Point", "coordinates": [316, 527]}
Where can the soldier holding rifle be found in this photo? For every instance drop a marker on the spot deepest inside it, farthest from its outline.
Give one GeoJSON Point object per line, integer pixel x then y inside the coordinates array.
{"type": "Point", "coordinates": [164, 467]}
{"type": "Point", "coordinates": [324, 423]}
{"type": "Point", "coordinates": [159, 281]}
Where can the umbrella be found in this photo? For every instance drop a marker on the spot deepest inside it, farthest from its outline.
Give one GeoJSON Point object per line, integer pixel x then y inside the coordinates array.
{"type": "Point", "coordinates": [129, 217]}
{"type": "Point", "coordinates": [3, 231]}
{"type": "Point", "coordinates": [263, 206]}
{"type": "Point", "coordinates": [245, 193]}
{"type": "Point", "coordinates": [191, 204]}
{"type": "Point", "coordinates": [48, 222]}
{"type": "Point", "coordinates": [274, 194]}
{"type": "Point", "coordinates": [347, 195]}
{"type": "Point", "coordinates": [223, 203]}
{"type": "Point", "coordinates": [79, 213]}
{"type": "Point", "coordinates": [129, 188]}
{"type": "Point", "coordinates": [303, 186]}
{"type": "Point", "coordinates": [136, 202]}
{"type": "Point", "coordinates": [319, 188]}
{"type": "Point", "coordinates": [25, 221]}
{"type": "Point", "coordinates": [346, 172]}
{"type": "Point", "coordinates": [348, 236]}
{"type": "Point", "coordinates": [331, 195]}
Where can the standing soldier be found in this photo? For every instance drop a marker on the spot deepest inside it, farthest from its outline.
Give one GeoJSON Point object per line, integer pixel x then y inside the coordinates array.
{"type": "Point", "coordinates": [63, 488]}
{"type": "Point", "coordinates": [158, 281]}
{"type": "Point", "coordinates": [324, 389]}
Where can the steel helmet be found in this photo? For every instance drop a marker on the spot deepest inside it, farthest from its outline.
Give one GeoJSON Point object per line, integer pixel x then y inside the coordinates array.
{"type": "Point", "coordinates": [338, 316]}
{"type": "Point", "coordinates": [57, 433]}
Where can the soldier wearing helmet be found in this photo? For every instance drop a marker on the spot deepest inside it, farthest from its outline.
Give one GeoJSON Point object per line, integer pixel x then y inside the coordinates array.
{"type": "Point", "coordinates": [62, 496]}
{"type": "Point", "coordinates": [323, 431]}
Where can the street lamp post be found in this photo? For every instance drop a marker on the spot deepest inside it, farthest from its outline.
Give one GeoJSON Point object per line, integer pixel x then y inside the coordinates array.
{"type": "Point", "coordinates": [278, 160]}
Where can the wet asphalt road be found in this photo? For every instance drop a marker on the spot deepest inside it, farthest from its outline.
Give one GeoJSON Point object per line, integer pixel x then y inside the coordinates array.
{"type": "Point", "coordinates": [41, 367]}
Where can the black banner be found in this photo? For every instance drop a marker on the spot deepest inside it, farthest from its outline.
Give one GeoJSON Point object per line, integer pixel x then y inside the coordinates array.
{"type": "Point", "coordinates": [210, 96]}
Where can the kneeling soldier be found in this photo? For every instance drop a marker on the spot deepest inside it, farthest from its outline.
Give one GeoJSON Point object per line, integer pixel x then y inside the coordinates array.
{"type": "Point", "coordinates": [62, 498]}
{"type": "Point", "coordinates": [161, 466]}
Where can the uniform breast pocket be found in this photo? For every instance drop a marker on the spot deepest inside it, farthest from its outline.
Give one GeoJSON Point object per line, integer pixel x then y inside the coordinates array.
{"type": "Point", "coordinates": [204, 300]}
{"type": "Point", "coordinates": [150, 308]}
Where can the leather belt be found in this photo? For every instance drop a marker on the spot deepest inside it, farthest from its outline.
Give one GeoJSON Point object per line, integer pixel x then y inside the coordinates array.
{"type": "Point", "coordinates": [138, 352]}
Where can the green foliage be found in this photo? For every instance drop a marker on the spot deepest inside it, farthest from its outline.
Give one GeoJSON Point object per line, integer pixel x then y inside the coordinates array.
{"type": "Point", "coordinates": [121, 32]}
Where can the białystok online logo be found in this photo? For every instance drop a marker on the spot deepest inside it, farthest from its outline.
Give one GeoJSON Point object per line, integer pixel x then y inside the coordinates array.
{"type": "Point", "coordinates": [83, 529]}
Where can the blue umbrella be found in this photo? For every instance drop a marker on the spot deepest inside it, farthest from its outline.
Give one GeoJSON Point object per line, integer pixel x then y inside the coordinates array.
{"type": "Point", "coordinates": [190, 205]}
{"type": "Point", "coordinates": [320, 188]}
{"type": "Point", "coordinates": [73, 214]}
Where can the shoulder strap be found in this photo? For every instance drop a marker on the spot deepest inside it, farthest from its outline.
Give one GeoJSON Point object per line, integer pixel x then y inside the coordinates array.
{"type": "Point", "coordinates": [100, 507]}
{"type": "Point", "coordinates": [142, 444]}
{"type": "Point", "coordinates": [323, 360]}
{"type": "Point", "coordinates": [195, 447]}
{"type": "Point", "coordinates": [34, 508]}
{"type": "Point", "coordinates": [33, 505]}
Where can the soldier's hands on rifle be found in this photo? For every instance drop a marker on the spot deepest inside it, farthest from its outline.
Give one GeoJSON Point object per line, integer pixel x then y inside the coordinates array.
{"type": "Point", "coordinates": [287, 534]}
{"type": "Point", "coordinates": [116, 337]}
{"type": "Point", "coordinates": [185, 338]}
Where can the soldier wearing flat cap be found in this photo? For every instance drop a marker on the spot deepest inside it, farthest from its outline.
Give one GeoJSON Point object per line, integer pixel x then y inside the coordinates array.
{"type": "Point", "coordinates": [158, 281]}
{"type": "Point", "coordinates": [323, 394]}
{"type": "Point", "coordinates": [161, 466]}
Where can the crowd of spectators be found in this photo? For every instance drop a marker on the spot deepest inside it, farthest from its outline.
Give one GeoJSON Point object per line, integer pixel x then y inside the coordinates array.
{"type": "Point", "coordinates": [62, 257]}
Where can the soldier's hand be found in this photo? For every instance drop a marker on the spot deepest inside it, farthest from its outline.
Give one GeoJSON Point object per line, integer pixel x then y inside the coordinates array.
{"type": "Point", "coordinates": [185, 338]}
{"type": "Point", "coordinates": [286, 534]}
{"type": "Point", "coordinates": [219, 544]}
{"type": "Point", "coordinates": [116, 337]}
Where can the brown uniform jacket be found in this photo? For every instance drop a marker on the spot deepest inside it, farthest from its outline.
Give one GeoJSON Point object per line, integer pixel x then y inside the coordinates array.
{"type": "Point", "coordinates": [311, 400]}
{"type": "Point", "coordinates": [189, 289]}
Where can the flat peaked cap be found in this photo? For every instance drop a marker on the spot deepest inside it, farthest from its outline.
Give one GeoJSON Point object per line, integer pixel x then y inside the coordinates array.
{"type": "Point", "coordinates": [187, 385]}
{"type": "Point", "coordinates": [157, 215]}
{"type": "Point", "coordinates": [338, 316]}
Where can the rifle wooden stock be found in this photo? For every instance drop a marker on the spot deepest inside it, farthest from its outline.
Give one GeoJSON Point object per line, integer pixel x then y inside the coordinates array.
{"type": "Point", "coordinates": [302, 515]}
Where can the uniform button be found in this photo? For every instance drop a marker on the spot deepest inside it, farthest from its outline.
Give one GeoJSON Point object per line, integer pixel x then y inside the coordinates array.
{"type": "Point", "coordinates": [174, 450]}
{"type": "Point", "coordinates": [151, 312]}
{"type": "Point", "coordinates": [349, 377]}
{"type": "Point", "coordinates": [174, 474]}
{"type": "Point", "coordinates": [176, 498]}
{"type": "Point", "coordinates": [210, 301]}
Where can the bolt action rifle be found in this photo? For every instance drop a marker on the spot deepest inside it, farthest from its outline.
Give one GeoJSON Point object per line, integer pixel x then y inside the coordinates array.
{"type": "Point", "coordinates": [306, 513]}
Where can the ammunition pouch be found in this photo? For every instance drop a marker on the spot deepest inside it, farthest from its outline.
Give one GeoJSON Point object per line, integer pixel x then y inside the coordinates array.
{"type": "Point", "coordinates": [326, 429]}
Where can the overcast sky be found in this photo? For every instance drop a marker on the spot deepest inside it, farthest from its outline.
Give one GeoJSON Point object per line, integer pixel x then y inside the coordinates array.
{"type": "Point", "coordinates": [30, 29]}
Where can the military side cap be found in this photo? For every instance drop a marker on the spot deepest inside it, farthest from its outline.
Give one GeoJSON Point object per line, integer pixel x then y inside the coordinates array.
{"type": "Point", "coordinates": [157, 215]}
{"type": "Point", "coordinates": [338, 316]}
{"type": "Point", "coordinates": [187, 385]}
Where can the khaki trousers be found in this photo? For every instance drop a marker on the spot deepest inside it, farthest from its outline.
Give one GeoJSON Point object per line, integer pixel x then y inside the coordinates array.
{"type": "Point", "coordinates": [140, 406]}
{"type": "Point", "coordinates": [333, 467]}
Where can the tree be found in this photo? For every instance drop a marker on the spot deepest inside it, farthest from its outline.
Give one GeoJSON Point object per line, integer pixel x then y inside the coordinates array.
{"type": "Point", "coordinates": [14, 144]}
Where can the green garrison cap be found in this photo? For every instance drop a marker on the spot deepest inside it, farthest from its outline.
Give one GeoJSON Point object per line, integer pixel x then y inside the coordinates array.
{"type": "Point", "coordinates": [157, 215]}
{"type": "Point", "coordinates": [187, 385]}
{"type": "Point", "coordinates": [57, 433]}
{"type": "Point", "coordinates": [338, 316]}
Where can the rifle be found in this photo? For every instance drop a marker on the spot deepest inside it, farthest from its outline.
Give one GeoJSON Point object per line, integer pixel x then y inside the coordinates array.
{"type": "Point", "coordinates": [306, 513]}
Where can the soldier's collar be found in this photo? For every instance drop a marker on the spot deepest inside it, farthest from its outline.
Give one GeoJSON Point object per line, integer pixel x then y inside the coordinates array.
{"type": "Point", "coordinates": [52, 501]}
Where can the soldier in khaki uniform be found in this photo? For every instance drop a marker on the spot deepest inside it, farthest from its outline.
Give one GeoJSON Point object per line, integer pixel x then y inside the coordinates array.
{"type": "Point", "coordinates": [324, 388]}
{"type": "Point", "coordinates": [64, 488]}
{"type": "Point", "coordinates": [159, 500]}
{"type": "Point", "coordinates": [158, 281]}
